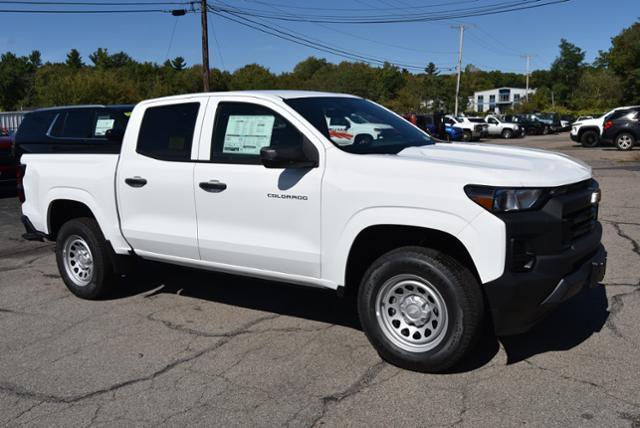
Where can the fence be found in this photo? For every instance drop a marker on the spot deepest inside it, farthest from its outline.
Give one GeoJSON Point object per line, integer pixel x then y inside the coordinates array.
{"type": "Point", "coordinates": [10, 120]}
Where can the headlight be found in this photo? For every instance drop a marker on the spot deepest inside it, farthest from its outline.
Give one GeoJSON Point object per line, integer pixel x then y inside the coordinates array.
{"type": "Point", "coordinates": [506, 199]}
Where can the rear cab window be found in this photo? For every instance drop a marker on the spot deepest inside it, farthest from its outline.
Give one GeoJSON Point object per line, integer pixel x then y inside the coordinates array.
{"type": "Point", "coordinates": [166, 132]}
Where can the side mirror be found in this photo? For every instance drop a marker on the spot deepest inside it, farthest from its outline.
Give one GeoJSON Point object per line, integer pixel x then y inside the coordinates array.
{"type": "Point", "coordinates": [289, 157]}
{"type": "Point", "coordinates": [114, 135]}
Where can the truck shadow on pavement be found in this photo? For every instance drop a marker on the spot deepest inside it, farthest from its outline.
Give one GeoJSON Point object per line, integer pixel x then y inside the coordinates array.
{"type": "Point", "coordinates": [571, 324]}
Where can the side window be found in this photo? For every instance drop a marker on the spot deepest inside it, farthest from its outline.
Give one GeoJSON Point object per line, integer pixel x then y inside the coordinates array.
{"type": "Point", "coordinates": [105, 120]}
{"type": "Point", "coordinates": [73, 124]}
{"type": "Point", "coordinates": [166, 132]}
{"type": "Point", "coordinates": [242, 129]}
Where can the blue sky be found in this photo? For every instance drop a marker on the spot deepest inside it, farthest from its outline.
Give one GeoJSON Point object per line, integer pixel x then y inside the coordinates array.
{"type": "Point", "coordinates": [494, 43]}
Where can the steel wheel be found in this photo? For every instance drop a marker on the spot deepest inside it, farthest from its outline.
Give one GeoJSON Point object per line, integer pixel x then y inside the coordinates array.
{"type": "Point", "coordinates": [624, 142]}
{"type": "Point", "coordinates": [411, 313]}
{"type": "Point", "coordinates": [78, 260]}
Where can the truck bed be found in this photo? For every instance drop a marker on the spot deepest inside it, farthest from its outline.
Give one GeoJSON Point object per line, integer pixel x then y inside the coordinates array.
{"type": "Point", "coordinates": [85, 178]}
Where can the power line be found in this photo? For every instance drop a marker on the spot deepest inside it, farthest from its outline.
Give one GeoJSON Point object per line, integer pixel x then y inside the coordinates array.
{"type": "Point", "coordinates": [98, 3]}
{"type": "Point", "coordinates": [298, 38]}
{"type": "Point", "coordinates": [496, 8]}
{"type": "Point", "coordinates": [34, 11]}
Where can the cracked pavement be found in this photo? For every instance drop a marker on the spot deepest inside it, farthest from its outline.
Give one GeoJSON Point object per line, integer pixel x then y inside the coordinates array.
{"type": "Point", "coordinates": [178, 347]}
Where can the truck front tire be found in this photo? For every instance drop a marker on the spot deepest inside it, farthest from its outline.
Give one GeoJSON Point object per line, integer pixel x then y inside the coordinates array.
{"type": "Point", "coordinates": [507, 134]}
{"type": "Point", "coordinates": [589, 139]}
{"type": "Point", "coordinates": [422, 310]}
{"type": "Point", "coordinates": [83, 259]}
{"type": "Point", "coordinates": [467, 136]}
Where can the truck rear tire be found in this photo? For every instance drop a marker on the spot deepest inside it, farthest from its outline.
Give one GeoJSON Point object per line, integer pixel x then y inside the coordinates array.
{"type": "Point", "coordinates": [83, 259]}
{"type": "Point", "coordinates": [507, 134]}
{"type": "Point", "coordinates": [467, 136]}
{"type": "Point", "coordinates": [422, 310]}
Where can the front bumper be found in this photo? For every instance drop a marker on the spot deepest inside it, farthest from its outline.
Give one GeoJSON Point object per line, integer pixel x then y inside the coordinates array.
{"type": "Point", "coordinates": [552, 255]}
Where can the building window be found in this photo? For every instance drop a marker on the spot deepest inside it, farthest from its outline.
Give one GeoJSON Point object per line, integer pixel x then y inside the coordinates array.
{"type": "Point", "coordinates": [480, 103]}
{"type": "Point", "coordinates": [504, 95]}
{"type": "Point", "coordinates": [492, 101]}
{"type": "Point", "coordinates": [516, 98]}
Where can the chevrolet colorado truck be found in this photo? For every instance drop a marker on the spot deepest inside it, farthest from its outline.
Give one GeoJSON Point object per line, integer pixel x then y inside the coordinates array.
{"type": "Point", "coordinates": [431, 239]}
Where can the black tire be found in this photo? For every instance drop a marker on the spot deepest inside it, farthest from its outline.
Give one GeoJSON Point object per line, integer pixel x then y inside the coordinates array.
{"type": "Point", "coordinates": [507, 134]}
{"type": "Point", "coordinates": [85, 234]}
{"type": "Point", "coordinates": [363, 140]}
{"type": "Point", "coordinates": [589, 139]}
{"type": "Point", "coordinates": [545, 130]}
{"type": "Point", "coordinates": [625, 141]}
{"type": "Point", "coordinates": [467, 136]}
{"type": "Point", "coordinates": [458, 289]}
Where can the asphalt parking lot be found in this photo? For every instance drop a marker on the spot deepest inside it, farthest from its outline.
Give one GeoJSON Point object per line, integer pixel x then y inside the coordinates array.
{"type": "Point", "coordinates": [177, 347]}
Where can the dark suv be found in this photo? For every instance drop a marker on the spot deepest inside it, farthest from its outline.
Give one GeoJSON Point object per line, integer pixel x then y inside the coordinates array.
{"type": "Point", "coordinates": [622, 128]}
{"type": "Point", "coordinates": [74, 129]}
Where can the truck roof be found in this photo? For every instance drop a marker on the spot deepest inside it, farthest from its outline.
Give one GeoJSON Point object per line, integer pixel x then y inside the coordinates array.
{"type": "Point", "coordinates": [275, 94]}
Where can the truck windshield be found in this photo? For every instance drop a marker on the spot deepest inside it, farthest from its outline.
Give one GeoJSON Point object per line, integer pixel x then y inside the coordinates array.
{"type": "Point", "coordinates": [380, 132]}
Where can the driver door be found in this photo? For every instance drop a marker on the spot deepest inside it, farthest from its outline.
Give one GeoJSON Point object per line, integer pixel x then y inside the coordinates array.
{"type": "Point", "coordinates": [251, 217]}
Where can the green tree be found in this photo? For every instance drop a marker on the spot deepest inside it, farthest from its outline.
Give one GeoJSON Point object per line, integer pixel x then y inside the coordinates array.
{"type": "Point", "coordinates": [566, 71]}
{"type": "Point", "coordinates": [178, 63]}
{"type": "Point", "coordinates": [624, 60]}
{"type": "Point", "coordinates": [252, 76]}
{"type": "Point", "coordinates": [74, 60]}
{"type": "Point", "coordinates": [15, 80]}
{"type": "Point", "coordinates": [35, 58]}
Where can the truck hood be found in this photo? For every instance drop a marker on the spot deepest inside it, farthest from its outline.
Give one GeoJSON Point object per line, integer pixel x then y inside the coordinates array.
{"type": "Point", "coordinates": [503, 165]}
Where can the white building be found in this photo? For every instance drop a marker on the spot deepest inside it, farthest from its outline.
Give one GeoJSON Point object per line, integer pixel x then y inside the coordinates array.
{"type": "Point", "coordinates": [497, 100]}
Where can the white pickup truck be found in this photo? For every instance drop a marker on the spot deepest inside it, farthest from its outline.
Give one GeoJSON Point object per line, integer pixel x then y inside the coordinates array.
{"type": "Point", "coordinates": [430, 238]}
{"type": "Point", "coordinates": [500, 128]}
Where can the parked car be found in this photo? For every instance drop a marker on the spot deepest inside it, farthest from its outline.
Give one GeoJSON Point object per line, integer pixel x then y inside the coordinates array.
{"type": "Point", "coordinates": [423, 234]}
{"type": "Point", "coordinates": [550, 122]}
{"type": "Point", "coordinates": [531, 127]}
{"type": "Point", "coordinates": [72, 129]}
{"type": "Point", "coordinates": [588, 132]}
{"type": "Point", "coordinates": [499, 128]}
{"type": "Point", "coordinates": [471, 131]}
{"type": "Point", "coordinates": [622, 128]}
{"type": "Point", "coordinates": [8, 164]}
{"type": "Point", "coordinates": [428, 123]}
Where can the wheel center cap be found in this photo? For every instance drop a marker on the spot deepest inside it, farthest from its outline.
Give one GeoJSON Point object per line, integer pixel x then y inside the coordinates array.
{"type": "Point", "coordinates": [415, 310]}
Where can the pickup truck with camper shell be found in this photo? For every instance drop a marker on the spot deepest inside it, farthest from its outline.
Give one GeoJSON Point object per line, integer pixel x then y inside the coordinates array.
{"type": "Point", "coordinates": [500, 128]}
{"type": "Point", "coordinates": [588, 131]}
{"type": "Point", "coordinates": [431, 239]}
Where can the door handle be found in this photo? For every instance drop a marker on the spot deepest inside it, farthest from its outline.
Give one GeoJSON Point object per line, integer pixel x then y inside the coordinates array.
{"type": "Point", "coordinates": [213, 186]}
{"type": "Point", "coordinates": [135, 181]}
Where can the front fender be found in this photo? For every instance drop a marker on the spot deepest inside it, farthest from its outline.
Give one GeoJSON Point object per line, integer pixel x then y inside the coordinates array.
{"type": "Point", "coordinates": [474, 238]}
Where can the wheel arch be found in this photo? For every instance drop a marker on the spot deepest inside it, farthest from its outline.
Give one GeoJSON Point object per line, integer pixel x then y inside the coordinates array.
{"type": "Point", "coordinates": [376, 240]}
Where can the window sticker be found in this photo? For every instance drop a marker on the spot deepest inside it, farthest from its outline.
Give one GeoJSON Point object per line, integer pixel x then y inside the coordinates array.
{"type": "Point", "coordinates": [246, 135]}
{"type": "Point", "coordinates": [103, 124]}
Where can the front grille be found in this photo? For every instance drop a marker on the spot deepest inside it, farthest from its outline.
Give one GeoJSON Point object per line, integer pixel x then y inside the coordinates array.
{"type": "Point", "coordinates": [580, 215]}
{"type": "Point", "coordinates": [581, 222]}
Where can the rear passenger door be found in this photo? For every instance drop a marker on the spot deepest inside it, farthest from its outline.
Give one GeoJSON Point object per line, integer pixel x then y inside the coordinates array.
{"type": "Point", "coordinates": [155, 179]}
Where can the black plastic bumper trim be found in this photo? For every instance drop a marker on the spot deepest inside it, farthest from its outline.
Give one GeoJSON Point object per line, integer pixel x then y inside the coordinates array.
{"type": "Point", "coordinates": [31, 234]}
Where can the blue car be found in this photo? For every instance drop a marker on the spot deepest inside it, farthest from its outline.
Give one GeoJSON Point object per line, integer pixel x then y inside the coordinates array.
{"type": "Point", "coordinates": [428, 124]}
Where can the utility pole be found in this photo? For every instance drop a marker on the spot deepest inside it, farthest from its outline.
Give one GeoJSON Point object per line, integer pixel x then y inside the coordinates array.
{"type": "Point", "coordinates": [459, 66]}
{"type": "Point", "coordinates": [528, 57]}
{"type": "Point", "coordinates": [205, 45]}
